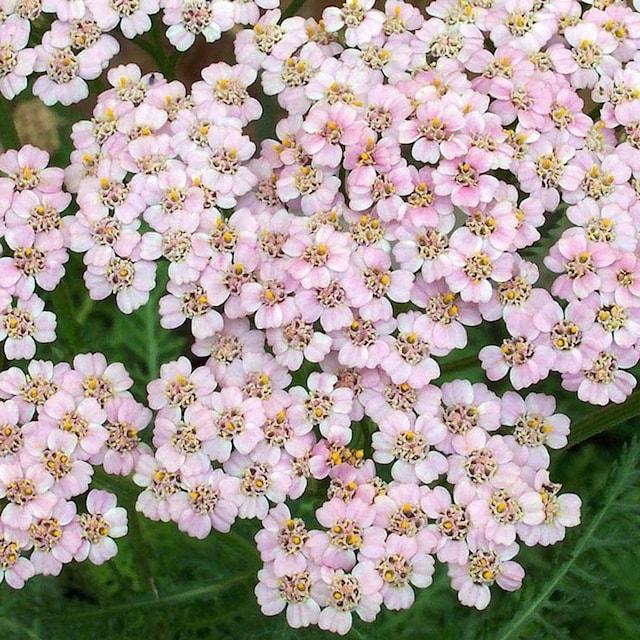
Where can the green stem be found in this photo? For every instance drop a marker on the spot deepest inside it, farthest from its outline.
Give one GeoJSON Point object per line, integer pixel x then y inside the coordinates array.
{"type": "Point", "coordinates": [293, 8]}
{"type": "Point", "coordinates": [163, 601]}
{"type": "Point", "coordinates": [604, 419]}
{"type": "Point", "coordinates": [9, 138]}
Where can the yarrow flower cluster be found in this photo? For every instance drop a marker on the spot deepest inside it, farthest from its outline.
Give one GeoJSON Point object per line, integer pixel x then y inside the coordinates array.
{"type": "Point", "coordinates": [57, 423]}
{"type": "Point", "coordinates": [418, 159]}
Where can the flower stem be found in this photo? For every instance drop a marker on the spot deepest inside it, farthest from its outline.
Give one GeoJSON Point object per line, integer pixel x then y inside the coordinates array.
{"type": "Point", "coordinates": [9, 138]}
{"type": "Point", "coordinates": [604, 419]}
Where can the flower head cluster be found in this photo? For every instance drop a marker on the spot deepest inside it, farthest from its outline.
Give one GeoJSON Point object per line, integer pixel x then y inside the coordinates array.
{"type": "Point", "coordinates": [78, 42]}
{"type": "Point", "coordinates": [56, 423]}
{"type": "Point", "coordinates": [31, 201]}
{"type": "Point", "coordinates": [418, 156]}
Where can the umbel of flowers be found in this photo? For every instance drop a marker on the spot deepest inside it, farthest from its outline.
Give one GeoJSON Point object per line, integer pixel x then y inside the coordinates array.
{"type": "Point", "coordinates": [418, 158]}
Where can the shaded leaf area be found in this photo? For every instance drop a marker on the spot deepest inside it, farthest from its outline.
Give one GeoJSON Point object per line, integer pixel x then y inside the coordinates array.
{"type": "Point", "coordinates": [168, 586]}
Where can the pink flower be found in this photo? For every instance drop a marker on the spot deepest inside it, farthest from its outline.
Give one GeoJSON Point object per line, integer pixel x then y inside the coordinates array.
{"type": "Point", "coordinates": [102, 522]}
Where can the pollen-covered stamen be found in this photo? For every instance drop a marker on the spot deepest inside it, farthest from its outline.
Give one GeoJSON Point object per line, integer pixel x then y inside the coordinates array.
{"type": "Point", "coordinates": [499, 68]}
{"type": "Point", "coordinates": [230, 92]}
{"type": "Point", "coordinates": [11, 439]}
{"type": "Point", "coordinates": [394, 23]}
{"type": "Point", "coordinates": [267, 36]}
{"type": "Point", "coordinates": [292, 535]}
{"type": "Point", "coordinates": [377, 281]}
{"type": "Point", "coordinates": [84, 34]}
{"type": "Point", "coordinates": [480, 223]}
{"type": "Point", "coordinates": [597, 183]}
{"type": "Point", "coordinates": [484, 567]}
{"type": "Point", "coordinates": [522, 99]}
{"type": "Point", "coordinates": [446, 44]}
{"type": "Point", "coordinates": [549, 494]}
{"type": "Point", "coordinates": [407, 520]}
{"type": "Point", "coordinates": [28, 9]}
{"type": "Point", "coordinates": [478, 267]}
{"type": "Point", "coordinates": [561, 116]}
{"type": "Point", "coordinates": [516, 351]}
{"type": "Point", "coordinates": [172, 200]}
{"type": "Point", "coordinates": [480, 465]}
{"type": "Point", "coordinates": [112, 194]}
{"type": "Point", "coordinates": [258, 385]}
{"type": "Point", "coordinates": [435, 130]}
{"type": "Point", "coordinates": [198, 134]}
{"type": "Point", "coordinates": [520, 22]}
{"type": "Point", "coordinates": [346, 534]}
{"type": "Point", "coordinates": [316, 254]}
{"type": "Point", "coordinates": [442, 308]}
{"type": "Point", "coordinates": [123, 437]}
{"type": "Point", "coordinates": [515, 291]}
{"type": "Point", "coordinates": [185, 439]}
{"type": "Point", "coordinates": [44, 218]}
{"type": "Point", "coordinates": [26, 178]}
{"type": "Point", "coordinates": [504, 508]}
{"type": "Point", "coordinates": [98, 388]}
{"type": "Point", "coordinates": [203, 498]}
{"type": "Point", "coordinates": [224, 161]}
{"type": "Point", "coordinates": [126, 8]}
{"type": "Point", "coordinates": [9, 554]}
{"type": "Point", "coordinates": [273, 292]}
{"type": "Point", "coordinates": [382, 188]}
{"type": "Point", "coordinates": [266, 192]}
{"type": "Point", "coordinates": [278, 430]}
{"type": "Point", "coordinates": [401, 397]}
{"type": "Point", "coordinates": [296, 72]}
{"type": "Point", "coordinates": [37, 390]}
{"type": "Point", "coordinates": [565, 335]}
{"type": "Point", "coordinates": [394, 570]}
{"type": "Point", "coordinates": [105, 231]}
{"type": "Point", "coordinates": [375, 56]}
{"type": "Point", "coordinates": [306, 180]}
{"type": "Point", "coordinates": [367, 230]}
{"type": "Point", "coordinates": [295, 588]}
{"type": "Point", "coordinates": [318, 406]}
{"type": "Point", "coordinates": [460, 418]}
{"type": "Point", "coordinates": [94, 527]}
{"type": "Point", "coordinates": [20, 492]}
{"type": "Point", "coordinates": [453, 522]}
{"type": "Point", "coordinates": [195, 302]}
{"type": "Point", "coordinates": [549, 169]}
{"type": "Point", "coordinates": [422, 196]}
{"type": "Point", "coordinates": [8, 59]}
{"type": "Point", "coordinates": [196, 16]}
{"type": "Point", "coordinates": [271, 242]}
{"type": "Point", "coordinates": [180, 392]}
{"type": "Point", "coordinates": [587, 54]}
{"type": "Point", "coordinates": [57, 463]}
{"type": "Point", "coordinates": [625, 278]}
{"type": "Point", "coordinates": [378, 118]}
{"type": "Point", "coordinates": [333, 295]}
{"type": "Point", "coordinates": [18, 323]}
{"type": "Point", "coordinates": [164, 483]}
{"type": "Point", "coordinates": [225, 349]}
{"type": "Point", "coordinates": [345, 592]}
{"type": "Point", "coordinates": [531, 430]}
{"type": "Point", "coordinates": [230, 423]}
{"type": "Point", "coordinates": [298, 334]}
{"type": "Point", "coordinates": [412, 349]}
{"type": "Point", "coordinates": [410, 447]}
{"type": "Point", "coordinates": [603, 369]}
{"type": "Point", "coordinates": [612, 317]}
{"type": "Point", "coordinates": [362, 333]}
{"type": "Point", "coordinates": [579, 266]}
{"type": "Point", "coordinates": [45, 534]}
{"type": "Point", "coordinates": [255, 480]}
{"type": "Point", "coordinates": [176, 245]}
{"type": "Point", "coordinates": [120, 273]}
{"type": "Point", "coordinates": [63, 66]}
